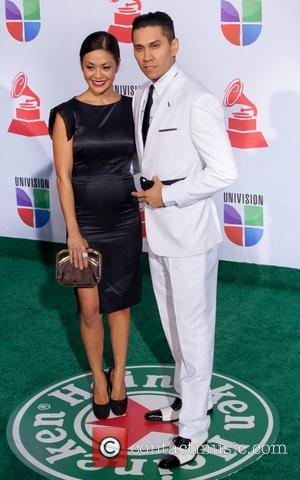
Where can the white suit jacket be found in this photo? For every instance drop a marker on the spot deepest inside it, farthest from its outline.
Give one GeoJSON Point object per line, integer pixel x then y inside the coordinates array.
{"type": "Point", "coordinates": [186, 138]}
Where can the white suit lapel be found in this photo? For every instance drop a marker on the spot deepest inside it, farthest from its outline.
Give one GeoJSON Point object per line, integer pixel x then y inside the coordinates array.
{"type": "Point", "coordinates": [166, 104]}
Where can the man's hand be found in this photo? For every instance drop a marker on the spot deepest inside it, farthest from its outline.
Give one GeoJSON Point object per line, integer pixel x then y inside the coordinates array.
{"type": "Point", "coordinates": [153, 196]}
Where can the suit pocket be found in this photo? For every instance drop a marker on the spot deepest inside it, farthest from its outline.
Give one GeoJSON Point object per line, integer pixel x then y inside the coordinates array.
{"type": "Point", "coordinates": [167, 144]}
{"type": "Point", "coordinates": [167, 130]}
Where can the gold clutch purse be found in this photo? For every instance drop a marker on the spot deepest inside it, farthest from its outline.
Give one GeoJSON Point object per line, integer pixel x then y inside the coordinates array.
{"type": "Point", "coordinates": [69, 276]}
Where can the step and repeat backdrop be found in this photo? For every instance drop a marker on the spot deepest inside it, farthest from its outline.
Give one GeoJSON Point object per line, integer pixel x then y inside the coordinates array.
{"type": "Point", "coordinates": [245, 51]}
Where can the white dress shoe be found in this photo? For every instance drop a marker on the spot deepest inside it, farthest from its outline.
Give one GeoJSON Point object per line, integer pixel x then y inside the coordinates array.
{"type": "Point", "coordinates": [165, 414]}
{"type": "Point", "coordinates": [182, 451]}
{"type": "Point", "coordinates": [169, 413]}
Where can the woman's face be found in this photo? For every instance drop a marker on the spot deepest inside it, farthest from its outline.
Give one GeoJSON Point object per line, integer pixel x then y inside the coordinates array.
{"type": "Point", "coordinates": [99, 69]}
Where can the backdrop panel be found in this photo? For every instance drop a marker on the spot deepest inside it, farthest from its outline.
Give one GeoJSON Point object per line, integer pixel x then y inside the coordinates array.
{"type": "Point", "coordinates": [244, 51]}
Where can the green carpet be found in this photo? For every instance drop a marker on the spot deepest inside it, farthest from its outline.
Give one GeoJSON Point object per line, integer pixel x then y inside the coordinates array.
{"type": "Point", "coordinates": [257, 341]}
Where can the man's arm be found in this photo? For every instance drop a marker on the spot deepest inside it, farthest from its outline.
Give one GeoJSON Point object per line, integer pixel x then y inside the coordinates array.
{"type": "Point", "coordinates": [211, 141]}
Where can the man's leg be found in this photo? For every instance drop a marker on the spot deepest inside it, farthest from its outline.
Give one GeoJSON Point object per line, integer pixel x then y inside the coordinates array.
{"type": "Point", "coordinates": [164, 298]}
{"type": "Point", "coordinates": [193, 283]}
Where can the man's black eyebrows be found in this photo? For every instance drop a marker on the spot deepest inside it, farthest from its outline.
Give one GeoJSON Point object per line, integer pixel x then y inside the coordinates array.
{"type": "Point", "coordinates": [151, 43]}
{"type": "Point", "coordinates": [155, 42]}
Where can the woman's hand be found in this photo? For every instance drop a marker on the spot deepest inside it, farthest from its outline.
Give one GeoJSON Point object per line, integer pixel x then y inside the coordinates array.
{"type": "Point", "coordinates": [77, 246]}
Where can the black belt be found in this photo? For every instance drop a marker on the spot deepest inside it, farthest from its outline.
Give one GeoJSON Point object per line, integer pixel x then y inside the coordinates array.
{"type": "Point", "coordinates": [146, 184]}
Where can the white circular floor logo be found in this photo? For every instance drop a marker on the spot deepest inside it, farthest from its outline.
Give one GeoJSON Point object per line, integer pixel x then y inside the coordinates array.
{"type": "Point", "coordinates": [51, 432]}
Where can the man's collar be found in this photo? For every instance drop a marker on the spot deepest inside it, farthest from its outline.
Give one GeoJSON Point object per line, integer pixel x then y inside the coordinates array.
{"type": "Point", "coordinates": [162, 83]}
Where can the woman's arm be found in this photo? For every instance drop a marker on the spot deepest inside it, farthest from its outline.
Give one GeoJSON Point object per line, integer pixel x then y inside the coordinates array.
{"type": "Point", "coordinates": [63, 159]}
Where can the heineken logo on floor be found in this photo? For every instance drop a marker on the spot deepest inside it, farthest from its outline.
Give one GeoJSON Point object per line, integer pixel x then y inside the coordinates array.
{"type": "Point", "coordinates": [52, 432]}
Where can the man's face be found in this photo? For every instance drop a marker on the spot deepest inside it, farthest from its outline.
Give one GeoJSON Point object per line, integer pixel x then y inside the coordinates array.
{"type": "Point", "coordinates": [153, 51]}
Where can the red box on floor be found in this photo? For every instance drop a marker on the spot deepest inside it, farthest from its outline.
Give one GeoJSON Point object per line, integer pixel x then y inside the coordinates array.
{"type": "Point", "coordinates": [109, 447]}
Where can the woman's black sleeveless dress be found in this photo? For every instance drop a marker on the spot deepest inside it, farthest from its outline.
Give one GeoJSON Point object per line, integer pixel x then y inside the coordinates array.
{"type": "Point", "coordinates": [107, 214]}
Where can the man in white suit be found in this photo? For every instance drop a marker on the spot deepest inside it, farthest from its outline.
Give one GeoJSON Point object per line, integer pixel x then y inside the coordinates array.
{"type": "Point", "coordinates": [183, 148]}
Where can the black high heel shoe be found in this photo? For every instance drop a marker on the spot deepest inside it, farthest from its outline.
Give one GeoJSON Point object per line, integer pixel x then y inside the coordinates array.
{"type": "Point", "coordinates": [118, 407]}
{"type": "Point", "coordinates": [102, 411]}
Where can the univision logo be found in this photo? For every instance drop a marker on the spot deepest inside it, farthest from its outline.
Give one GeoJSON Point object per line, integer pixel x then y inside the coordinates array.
{"type": "Point", "coordinates": [33, 201]}
{"type": "Point", "coordinates": [243, 224]}
{"type": "Point", "coordinates": [127, 90]}
{"type": "Point", "coordinates": [23, 26]}
{"type": "Point", "coordinates": [241, 26]}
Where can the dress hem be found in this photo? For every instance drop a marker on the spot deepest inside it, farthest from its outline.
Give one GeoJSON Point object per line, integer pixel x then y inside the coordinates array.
{"type": "Point", "coordinates": [114, 308]}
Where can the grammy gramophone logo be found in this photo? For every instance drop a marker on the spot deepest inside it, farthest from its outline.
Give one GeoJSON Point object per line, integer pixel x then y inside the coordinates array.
{"type": "Point", "coordinates": [27, 120]}
{"type": "Point", "coordinates": [123, 19]}
{"type": "Point", "coordinates": [242, 123]}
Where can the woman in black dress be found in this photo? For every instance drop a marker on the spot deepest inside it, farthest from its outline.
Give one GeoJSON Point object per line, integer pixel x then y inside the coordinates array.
{"type": "Point", "coordinates": [93, 143]}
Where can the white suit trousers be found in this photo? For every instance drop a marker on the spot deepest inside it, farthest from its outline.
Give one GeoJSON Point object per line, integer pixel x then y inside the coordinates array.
{"type": "Point", "coordinates": [185, 291]}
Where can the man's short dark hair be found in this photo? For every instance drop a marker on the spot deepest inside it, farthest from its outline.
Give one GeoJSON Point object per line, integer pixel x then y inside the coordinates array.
{"type": "Point", "coordinates": [155, 19]}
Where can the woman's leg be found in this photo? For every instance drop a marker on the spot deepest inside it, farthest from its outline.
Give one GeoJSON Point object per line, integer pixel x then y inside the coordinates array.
{"type": "Point", "coordinates": [92, 336]}
{"type": "Point", "coordinates": [119, 324]}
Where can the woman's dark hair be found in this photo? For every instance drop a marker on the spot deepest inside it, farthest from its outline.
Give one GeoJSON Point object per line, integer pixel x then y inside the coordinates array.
{"type": "Point", "coordinates": [100, 41]}
{"type": "Point", "coordinates": [156, 19]}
